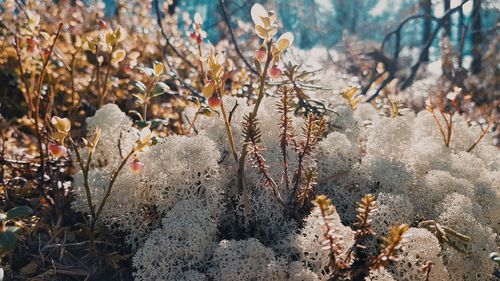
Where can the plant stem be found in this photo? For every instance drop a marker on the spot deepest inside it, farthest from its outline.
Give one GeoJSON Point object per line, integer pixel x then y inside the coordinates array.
{"type": "Point", "coordinates": [191, 126]}
{"type": "Point", "coordinates": [483, 133]}
{"type": "Point", "coordinates": [85, 171]}
{"type": "Point", "coordinates": [106, 77]}
{"type": "Point", "coordinates": [241, 164]}
{"type": "Point", "coordinates": [228, 131]}
{"type": "Point", "coordinates": [112, 182]}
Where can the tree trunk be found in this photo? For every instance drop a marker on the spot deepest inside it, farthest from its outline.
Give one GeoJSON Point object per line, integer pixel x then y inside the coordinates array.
{"type": "Point", "coordinates": [426, 6]}
{"type": "Point", "coordinates": [476, 37]}
{"type": "Point", "coordinates": [446, 49]}
{"type": "Point", "coordinates": [460, 35]}
{"type": "Point", "coordinates": [447, 21]}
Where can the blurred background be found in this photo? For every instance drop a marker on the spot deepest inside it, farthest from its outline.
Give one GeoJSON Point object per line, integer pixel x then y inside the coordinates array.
{"type": "Point", "coordinates": [326, 23]}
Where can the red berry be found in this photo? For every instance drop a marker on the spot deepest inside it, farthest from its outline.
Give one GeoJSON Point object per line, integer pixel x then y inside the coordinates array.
{"type": "Point", "coordinates": [192, 35]}
{"type": "Point", "coordinates": [275, 73]}
{"type": "Point", "coordinates": [102, 24]}
{"type": "Point", "coordinates": [214, 101]}
{"type": "Point", "coordinates": [199, 40]}
{"type": "Point", "coordinates": [136, 165]}
{"type": "Point", "coordinates": [46, 52]}
{"type": "Point", "coordinates": [57, 150]}
{"type": "Point", "coordinates": [32, 43]}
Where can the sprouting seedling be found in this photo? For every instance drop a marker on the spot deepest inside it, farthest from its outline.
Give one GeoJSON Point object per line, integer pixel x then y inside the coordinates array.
{"type": "Point", "coordinates": [447, 120]}
{"type": "Point", "coordinates": [366, 206]}
{"type": "Point", "coordinates": [152, 88]}
{"type": "Point", "coordinates": [363, 225]}
{"type": "Point", "coordinates": [330, 239]}
{"type": "Point", "coordinates": [394, 107]}
{"type": "Point", "coordinates": [390, 246]}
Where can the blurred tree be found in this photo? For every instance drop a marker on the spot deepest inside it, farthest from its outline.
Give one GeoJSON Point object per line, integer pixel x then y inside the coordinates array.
{"type": "Point", "coordinates": [426, 6]}
{"type": "Point", "coordinates": [476, 37]}
{"type": "Point", "coordinates": [447, 21]}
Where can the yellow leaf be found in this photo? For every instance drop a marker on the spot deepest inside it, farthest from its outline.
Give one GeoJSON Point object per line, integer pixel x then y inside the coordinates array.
{"type": "Point", "coordinates": [62, 125]}
{"type": "Point", "coordinates": [110, 38]}
{"type": "Point", "coordinates": [284, 41]}
{"type": "Point", "coordinates": [261, 31]}
{"type": "Point", "coordinates": [158, 68]}
{"type": "Point", "coordinates": [119, 55]}
{"type": "Point", "coordinates": [208, 89]}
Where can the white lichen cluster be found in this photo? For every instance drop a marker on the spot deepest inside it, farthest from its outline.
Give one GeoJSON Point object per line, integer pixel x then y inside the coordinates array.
{"type": "Point", "coordinates": [186, 215]}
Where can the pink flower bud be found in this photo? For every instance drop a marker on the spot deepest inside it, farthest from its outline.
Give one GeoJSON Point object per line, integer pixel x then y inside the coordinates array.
{"type": "Point", "coordinates": [136, 165]}
{"type": "Point", "coordinates": [57, 150]}
{"type": "Point", "coordinates": [261, 55]}
{"type": "Point", "coordinates": [275, 73]}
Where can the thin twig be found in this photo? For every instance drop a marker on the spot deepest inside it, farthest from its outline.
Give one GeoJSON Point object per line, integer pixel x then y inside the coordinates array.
{"type": "Point", "coordinates": [165, 36]}
{"type": "Point", "coordinates": [233, 39]}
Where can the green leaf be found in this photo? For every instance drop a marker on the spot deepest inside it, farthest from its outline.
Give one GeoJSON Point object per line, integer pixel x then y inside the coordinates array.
{"type": "Point", "coordinates": [8, 240]}
{"type": "Point", "coordinates": [159, 89]}
{"type": "Point", "coordinates": [140, 97]}
{"type": "Point", "coordinates": [139, 86]}
{"type": "Point", "coordinates": [205, 111]}
{"type": "Point", "coordinates": [195, 100]}
{"type": "Point", "coordinates": [142, 124]}
{"type": "Point", "coordinates": [135, 113]}
{"type": "Point", "coordinates": [155, 123]}
{"type": "Point", "coordinates": [19, 212]}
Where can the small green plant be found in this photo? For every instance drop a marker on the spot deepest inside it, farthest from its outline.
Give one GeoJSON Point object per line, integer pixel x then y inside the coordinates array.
{"type": "Point", "coordinates": [152, 88]}
{"type": "Point", "coordinates": [62, 128]}
{"type": "Point", "coordinates": [10, 227]}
